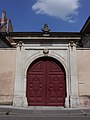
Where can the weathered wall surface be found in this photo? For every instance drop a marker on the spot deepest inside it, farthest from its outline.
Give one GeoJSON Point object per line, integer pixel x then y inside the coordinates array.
{"type": "Point", "coordinates": [7, 74]}
{"type": "Point", "coordinates": [83, 65]}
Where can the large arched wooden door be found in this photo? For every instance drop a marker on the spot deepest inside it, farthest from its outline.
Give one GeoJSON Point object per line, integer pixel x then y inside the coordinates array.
{"type": "Point", "coordinates": [45, 83]}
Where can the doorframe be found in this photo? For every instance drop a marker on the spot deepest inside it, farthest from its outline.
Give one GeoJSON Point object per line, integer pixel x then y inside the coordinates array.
{"type": "Point", "coordinates": [24, 60]}
{"type": "Point", "coordinates": [56, 62]}
{"type": "Point", "coordinates": [59, 59]}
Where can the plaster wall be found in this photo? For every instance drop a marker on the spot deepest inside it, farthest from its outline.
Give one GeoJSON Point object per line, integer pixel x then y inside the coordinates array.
{"type": "Point", "coordinates": [7, 75]}
{"type": "Point", "coordinates": [83, 68]}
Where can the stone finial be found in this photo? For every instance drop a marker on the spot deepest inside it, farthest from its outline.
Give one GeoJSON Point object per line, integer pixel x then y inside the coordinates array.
{"type": "Point", "coordinates": [45, 28]}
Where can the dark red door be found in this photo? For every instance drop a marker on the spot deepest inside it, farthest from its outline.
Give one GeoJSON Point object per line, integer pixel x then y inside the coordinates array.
{"type": "Point", "coordinates": [46, 83]}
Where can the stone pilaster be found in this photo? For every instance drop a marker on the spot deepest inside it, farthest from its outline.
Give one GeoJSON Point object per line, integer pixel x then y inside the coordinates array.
{"type": "Point", "coordinates": [19, 77]}
{"type": "Point", "coordinates": [73, 81]}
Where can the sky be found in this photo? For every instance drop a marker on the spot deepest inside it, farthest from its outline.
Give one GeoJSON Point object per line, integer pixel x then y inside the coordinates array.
{"type": "Point", "coordinates": [60, 15]}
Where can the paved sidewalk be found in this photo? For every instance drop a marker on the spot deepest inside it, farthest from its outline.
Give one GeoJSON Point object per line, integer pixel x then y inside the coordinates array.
{"type": "Point", "coordinates": [43, 111]}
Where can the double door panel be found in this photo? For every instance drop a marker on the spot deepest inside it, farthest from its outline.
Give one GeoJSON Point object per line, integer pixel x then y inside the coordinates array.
{"type": "Point", "coordinates": [45, 84]}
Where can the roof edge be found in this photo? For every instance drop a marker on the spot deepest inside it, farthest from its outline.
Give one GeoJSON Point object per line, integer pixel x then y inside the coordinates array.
{"type": "Point", "coordinates": [86, 27]}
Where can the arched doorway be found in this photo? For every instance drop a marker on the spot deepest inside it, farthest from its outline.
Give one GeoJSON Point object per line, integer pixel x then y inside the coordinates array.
{"type": "Point", "coordinates": [46, 83]}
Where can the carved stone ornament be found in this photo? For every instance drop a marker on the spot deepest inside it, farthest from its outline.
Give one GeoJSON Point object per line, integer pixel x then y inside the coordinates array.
{"type": "Point", "coordinates": [45, 51]}
{"type": "Point", "coordinates": [20, 44]}
{"type": "Point", "coordinates": [45, 28]}
{"type": "Point", "coordinates": [71, 43]}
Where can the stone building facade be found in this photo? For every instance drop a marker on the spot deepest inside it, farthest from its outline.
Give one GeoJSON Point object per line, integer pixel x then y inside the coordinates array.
{"type": "Point", "coordinates": [46, 69]}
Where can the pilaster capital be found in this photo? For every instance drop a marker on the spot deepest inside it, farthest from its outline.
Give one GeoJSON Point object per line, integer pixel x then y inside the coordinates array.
{"type": "Point", "coordinates": [71, 44]}
{"type": "Point", "coordinates": [20, 45]}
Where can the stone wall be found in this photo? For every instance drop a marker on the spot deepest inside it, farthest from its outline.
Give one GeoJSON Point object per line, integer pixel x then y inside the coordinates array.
{"type": "Point", "coordinates": [83, 65]}
{"type": "Point", "coordinates": [7, 74]}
